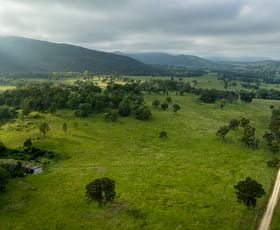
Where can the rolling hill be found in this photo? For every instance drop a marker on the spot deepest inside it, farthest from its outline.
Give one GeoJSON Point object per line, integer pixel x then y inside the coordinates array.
{"type": "Point", "coordinates": [168, 59]}
{"type": "Point", "coordinates": [28, 55]}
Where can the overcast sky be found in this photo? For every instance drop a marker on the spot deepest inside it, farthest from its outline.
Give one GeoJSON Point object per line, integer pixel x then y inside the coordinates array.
{"type": "Point", "coordinates": [199, 27]}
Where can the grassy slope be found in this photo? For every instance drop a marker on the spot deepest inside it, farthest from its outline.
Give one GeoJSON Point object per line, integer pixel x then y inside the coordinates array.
{"type": "Point", "coordinates": [185, 181]}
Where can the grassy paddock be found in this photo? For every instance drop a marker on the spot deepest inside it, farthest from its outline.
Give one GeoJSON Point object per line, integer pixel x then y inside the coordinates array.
{"type": "Point", "coordinates": [182, 182]}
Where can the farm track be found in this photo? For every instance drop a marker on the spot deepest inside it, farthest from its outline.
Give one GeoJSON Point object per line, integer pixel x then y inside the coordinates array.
{"type": "Point", "coordinates": [266, 220]}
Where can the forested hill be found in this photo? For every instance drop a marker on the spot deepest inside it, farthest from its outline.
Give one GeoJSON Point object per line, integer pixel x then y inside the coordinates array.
{"type": "Point", "coordinates": [28, 55]}
{"type": "Point", "coordinates": [168, 59]}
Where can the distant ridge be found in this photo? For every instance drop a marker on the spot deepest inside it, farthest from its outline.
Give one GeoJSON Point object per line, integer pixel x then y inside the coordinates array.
{"type": "Point", "coordinates": [168, 59]}
{"type": "Point", "coordinates": [19, 54]}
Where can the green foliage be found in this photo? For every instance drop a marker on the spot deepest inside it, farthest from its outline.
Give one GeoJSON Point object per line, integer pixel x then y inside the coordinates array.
{"type": "Point", "coordinates": [163, 134]}
{"type": "Point", "coordinates": [156, 103]}
{"type": "Point", "coordinates": [249, 137]}
{"type": "Point", "coordinates": [169, 100]}
{"type": "Point", "coordinates": [124, 109]}
{"type": "Point", "coordinates": [247, 96]}
{"type": "Point", "coordinates": [27, 143]}
{"type": "Point", "coordinates": [244, 122]}
{"type": "Point", "coordinates": [4, 178]}
{"type": "Point", "coordinates": [273, 163]}
{"type": "Point", "coordinates": [44, 128]}
{"type": "Point", "coordinates": [176, 108]}
{"type": "Point", "coordinates": [143, 113]}
{"type": "Point", "coordinates": [248, 191]}
{"type": "Point", "coordinates": [114, 114]}
{"type": "Point", "coordinates": [101, 190]}
{"type": "Point", "coordinates": [64, 127]}
{"type": "Point", "coordinates": [222, 132]}
{"type": "Point", "coordinates": [7, 113]}
{"type": "Point", "coordinates": [164, 106]}
{"type": "Point", "coordinates": [233, 124]}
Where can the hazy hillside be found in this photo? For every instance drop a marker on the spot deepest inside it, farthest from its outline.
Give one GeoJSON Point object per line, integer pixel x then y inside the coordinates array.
{"type": "Point", "coordinates": [168, 59]}
{"type": "Point", "coordinates": [28, 55]}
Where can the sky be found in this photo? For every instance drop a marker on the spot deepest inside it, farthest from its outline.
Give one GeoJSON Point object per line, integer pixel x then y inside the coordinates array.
{"type": "Point", "coordinates": [207, 28]}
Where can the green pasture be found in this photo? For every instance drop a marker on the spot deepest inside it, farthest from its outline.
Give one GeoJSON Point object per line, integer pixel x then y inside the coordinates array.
{"type": "Point", "coordinates": [182, 182]}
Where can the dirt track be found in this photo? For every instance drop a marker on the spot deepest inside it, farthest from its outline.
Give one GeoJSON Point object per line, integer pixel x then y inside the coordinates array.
{"type": "Point", "coordinates": [264, 225]}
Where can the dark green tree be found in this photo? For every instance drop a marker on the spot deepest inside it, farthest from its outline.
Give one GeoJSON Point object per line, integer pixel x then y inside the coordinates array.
{"type": "Point", "coordinates": [248, 191]}
{"type": "Point", "coordinates": [28, 143]}
{"type": "Point", "coordinates": [156, 103]}
{"type": "Point", "coordinates": [101, 190]}
{"type": "Point", "coordinates": [44, 128]}
{"type": "Point", "coordinates": [222, 132]}
{"type": "Point", "coordinates": [168, 100]}
{"type": "Point", "coordinates": [244, 122]}
{"type": "Point", "coordinates": [124, 109]}
{"type": "Point", "coordinates": [64, 127]}
{"type": "Point", "coordinates": [233, 124]}
{"type": "Point", "coordinates": [176, 108]}
{"type": "Point", "coordinates": [164, 106]}
{"type": "Point", "coordinates": [143, 113]}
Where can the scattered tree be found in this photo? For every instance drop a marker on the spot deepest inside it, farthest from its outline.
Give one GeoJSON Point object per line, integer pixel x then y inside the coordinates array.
{"type": "Point", "coordinates": [64, 127]}
{"type": "Point", "coordinates": [44, 128]}
{"type": "Point", "coordinates": [244, 122]}
{"type": "Point", "coordinates": [233, 124]}
{"type": "Point", "coordinates": [156, 103]}
{"type": "Point", "coordinates": [143, 113]}
{"type": "Point", "coordinates": [176, 108]}
{"type": "Point", "coordinates": [164, 106]}
{"type": "Point", "coordinates": [168, 100]}
{"type": "Point", "coordinates": [248, 191]}
{"type": "Point", "coordinates": [163, 134]}
{"type": "Point", "coordinates": [101, 190]}
{"type": "Point", "coordinates": [222, 132]}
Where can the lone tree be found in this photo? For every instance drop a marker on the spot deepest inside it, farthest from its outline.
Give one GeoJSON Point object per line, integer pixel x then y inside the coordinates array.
{"type": "Point", "coordinates": [222, 132]}
{"type": "Point", "coordinates": [64, 127]}
{"type": "Point", "coordinates": [44, 128]}
{"type": "Point", "coordinates": [248, 191]}
{"type": "Point", "coordinates": [176, 108]}
{"type": "Point", "coordinates": [163, 134]}
{"type": "Point", "coordinates": [101, 190]}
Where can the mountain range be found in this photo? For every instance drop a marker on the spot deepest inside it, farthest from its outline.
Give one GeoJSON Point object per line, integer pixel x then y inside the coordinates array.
{"type": "Point", "coordinates": [19, 54]}
{"type": "Point", "coordinates": [24, 55]}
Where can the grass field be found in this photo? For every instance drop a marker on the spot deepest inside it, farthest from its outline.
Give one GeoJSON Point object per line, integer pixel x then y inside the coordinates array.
{"type": "Point", "coordinates": [183, 182]}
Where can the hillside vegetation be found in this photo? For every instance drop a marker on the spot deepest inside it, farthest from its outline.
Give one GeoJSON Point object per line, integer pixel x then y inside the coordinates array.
{"type": "Point", "coordinates": [183, 181]}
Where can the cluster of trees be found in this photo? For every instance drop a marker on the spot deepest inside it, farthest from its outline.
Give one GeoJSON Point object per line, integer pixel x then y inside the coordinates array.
{"type": "Point", "coordinates": [164, 106]}
{"type": "Point", "coordinates": [26, 153]}
{"type": "Point", "coordinates": [248, 136]}
{"type": "Point", "coordinates": [206, 95]}
{"type": "Point", "coordinates": [84, 97]}
{"type": "Point", "coordinates": [272, 138]}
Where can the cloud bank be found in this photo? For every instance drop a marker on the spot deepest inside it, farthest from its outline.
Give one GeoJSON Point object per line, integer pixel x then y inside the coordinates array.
{"type": "Point", "coordinates": [199, 27]}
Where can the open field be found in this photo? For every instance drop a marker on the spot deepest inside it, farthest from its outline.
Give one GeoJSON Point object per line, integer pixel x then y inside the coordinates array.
{"type": "Point", "coordinates": [183, 182]}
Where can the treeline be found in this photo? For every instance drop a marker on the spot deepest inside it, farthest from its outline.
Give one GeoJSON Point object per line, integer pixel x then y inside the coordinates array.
{"type": "Point", "coordinates": [84, 97]}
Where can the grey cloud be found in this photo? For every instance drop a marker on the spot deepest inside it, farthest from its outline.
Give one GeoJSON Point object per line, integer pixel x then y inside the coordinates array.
{"type": "Point", "coordinates": [178, 26]}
